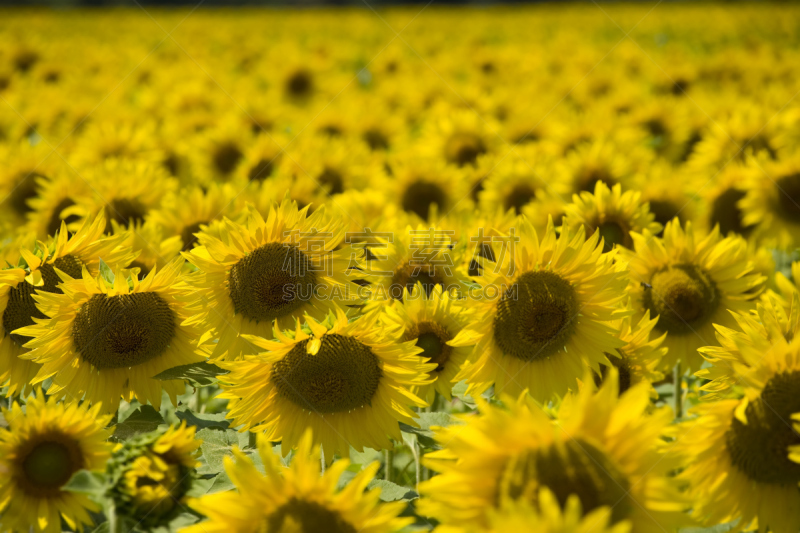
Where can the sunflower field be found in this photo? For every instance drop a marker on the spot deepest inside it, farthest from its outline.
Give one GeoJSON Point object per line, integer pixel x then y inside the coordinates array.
{"type": "Point", "coordinates": [523, 269]}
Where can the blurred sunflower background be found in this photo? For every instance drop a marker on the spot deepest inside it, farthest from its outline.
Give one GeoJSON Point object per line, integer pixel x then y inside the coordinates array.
{"type": "Point", "coordinates": [388, 269]}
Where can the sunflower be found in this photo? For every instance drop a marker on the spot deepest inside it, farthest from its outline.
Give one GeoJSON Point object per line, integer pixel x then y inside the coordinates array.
{"type": "Point", "coordinates": [669, 193]}
{"type": "Point", "coordinates": [267, 270]}
{"type": "Point", "coordinates": [771, 201]}
{"type": "Point", "coordinates": [151, 247]}
{"type": "Point", "coordinates": [600, 160]}
{"type": "Point", "coordinates": [349, 381]}
{"type": "Point", "coordinates": [603, 447]}
{"type": "Point", "coordinates": [119, 138]}
{"type": "Point", "coordinates": [421, 254]}
{"type": "Point", "coordinates": [189, 211]}
{"type": "Point", "coordinates": [24, 170]}
{"type": "Point", "coordinates": [297, 498]}
{"type": "Point", "coordinates": [638, 360]}
{"type": "Point", "coordinates": [432, 321]}
{"type": "Point", "coordinates": [218, 152]}
{"type": "Point", "coordinates": [542, 313]}
{"type": "Point", "coordinates": [774, 322]}
{"type": "Point", "coordinates": [519, 180]}
{"type": "Point", "coordinates": [611, 213]}
{"type": "Point", "coordinates": [546, 516]}
{"type": "Point", "coordinates": [262, 158]}
{"type": "Point", "coordinates": [721, 199]}
{"type": "Point", "coordinates": [690, 282]}
{"type": "Point", "coordinates": [54, 197]}
{"type": "Point", "coordinates": [37, 273]}
{"type": "Point", "coordinates": [739, 449]}
{"type": "Point", "coordinates": [125, 190]}
{"type": "Point", "coordinates": [459, 137]}
{"type": "Point", "coordinates": [418, 184]}
{"type": "Point", "coordinates": [105, 339]}
{"type": "Point", "coordinates": [39, 452]}
{"type": "Point", "coordinates": [153, 473]}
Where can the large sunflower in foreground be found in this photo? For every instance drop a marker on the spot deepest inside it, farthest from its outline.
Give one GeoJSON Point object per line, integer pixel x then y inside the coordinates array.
{"type": "Point", "coordinates": [739, 449]}
{"type": "Point", "coordinates": [349, 381]}
{"type": "Point", "coordinates": [106, 339]}
{"type": "Point", "coordinates": [296, 499]}
{"type": "Point", "coordinates": [432, 321]}
{"type": "Point", "coordinates": [542, 313]}
{"type": "Point", "coordinates": [267, 270]}
{"type": "Point", "coordinates": [39, 452]}
{"type": "Point", "coordinates": [691, 282]}
{"type": "Point", "coordinates": [37, 275]}
{"type": "Point", "coordinates": [605, 448]}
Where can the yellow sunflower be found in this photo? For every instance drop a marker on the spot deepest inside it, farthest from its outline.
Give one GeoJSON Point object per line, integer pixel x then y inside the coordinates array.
{"type": "Point", "coordinates": [771, 201]}
{"type": "Point", "coordinates": [690, 282]}
{"type": "Point", "coordinates": [546, 516]}
{"type": "Point", "coordinates": [721, 199]}
{"type": "Point", "coordinates": [155, 474]}
{"type": "Point", "coordinates": [425, 186]}
{"type": "Point", "coordinates": [542, 313]}
{"type": "Point", "coordinates": [297, 498]}
{"type": "Point", "coordinates": [38, 274]}
{"type": "Point", "coordinates": [150, 245]}
{"type": "Point", "coordinates": [611, 213]}
{"type": "Point", "coordinates": [105, 339]}
{"type": "Point", "coordinates": [432, 321]}
{"type": "Point", "coordinates": [55, 196]}
{"type": "Point", "coordinates": [39, 452]}
{"type": "Point", "coordinates": [349, 381]}
{"type": "Point", "coordinates": [459, 137]}
{"type": "Point", "coordinates": [605, 448]}
{"type": "Point", "coordinates": [423, 254]}
{"type": "Point", "coordinates": [738, 450]}
{"type": "Point", "coordinates": [267, 270]}
{"type": "Point", "coordinates": [187, 212]}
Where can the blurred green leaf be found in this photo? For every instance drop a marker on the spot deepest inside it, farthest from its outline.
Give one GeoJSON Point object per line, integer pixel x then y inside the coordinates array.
{"type": "Point", "coordinates": [143, 420]}
{"type": "Point", "coordinates": [203, 421]}
{"type": "Point", "coordinates": [391, 492]}
{"type": "Point", "coordinates": [86, 482]}
{"type": "Point", "coordinates": [201, 374]}
{"type": "Point", "coordinates": [217, 444]}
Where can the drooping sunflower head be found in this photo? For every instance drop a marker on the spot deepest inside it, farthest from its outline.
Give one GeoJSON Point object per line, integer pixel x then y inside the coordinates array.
{"type": "Point", "coordinates": [107, 336]}
{"type": "Point", "coordinates": [155, 471]}
{"type": "Point", "coordinates": [270, 269]}
{"type": "Point", "coordinates": [517, 450]}
{"type": "Point", "coordinates": [611, 213]}
{"type": "Point", "coordinates": [690, 281]}
{"type": "Point", "coordinates": [749, 441]}
{"type": "Point", "coordinates": [326, 375]}
{"type": "Point", "coordinates": [542, 302]}
{"type": "Point", "coordinates": [39, 452]}
{"type": "Point", "coordinates": [296, 498]}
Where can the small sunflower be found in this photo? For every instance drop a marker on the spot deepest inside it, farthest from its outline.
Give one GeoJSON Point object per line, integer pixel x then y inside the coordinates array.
{"type": "Point", "coordinates": [105, 339]}
{"type": "Point", "coordinates": [154, 472]}
{"type": "Point", "coordinates": [297, 498]}
{"type": "Point", "coordinates": [149, 244]}
{"type": "Point", "coordinates": [38, 274]}
{"type": "Point", "coordinates": [267, 270]}
{"type": "Point", "coordinates": [55, 196]}
{"type": "Point", "coordinates": [39, 452]}
{"type": "Point", "coordinates": [125, 190]}
{"type": "Point", "coordinates": [739, 449]}
{"type": "Point", "coordinates": [721, 199]}
{"type": "Point", "coordinates": [349, 381]}
{"type": "Point", "coordinates": [604, 448]}
{"type": "Point", "coordinates": [24, 170]}
{"type": "Point", "coordinates": [542, 313]}
{"type": "Point", "coordinates": [611, 213]}
{"type": "Point", "coordinates": [425, 186]}
{"type": "Point", "coordinates": [669, 193]}
{"type": "Point", "coordinates": [459, 137]}
{"type": "Point", "coordinates": [218, 151]}
{"type": "Point", "coordinates": [421, 254]}
{"type": "Point", "coordinates": [600, 160]}
{"type": "Point", "coordinates": [432, 321]}
{"type": "Point", "coordinates": [187, 212]}
{"type": "Point", "coordinates": [122, 139]}
{"type": "Point", "coordinates": [690, 282]}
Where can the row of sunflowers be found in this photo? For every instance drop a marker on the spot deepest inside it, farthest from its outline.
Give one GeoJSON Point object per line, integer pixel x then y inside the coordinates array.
{"type": "Point", "coordinates": [462, 271]}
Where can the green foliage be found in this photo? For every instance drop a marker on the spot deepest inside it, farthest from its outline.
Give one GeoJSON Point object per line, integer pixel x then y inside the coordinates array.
{"type": "Point", "coordinates": [198, 374]}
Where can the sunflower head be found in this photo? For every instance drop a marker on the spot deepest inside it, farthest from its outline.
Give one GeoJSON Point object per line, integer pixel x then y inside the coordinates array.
{"type": "Point", "coordinates": [154, 472]}
{"type": "Point", "coordinates": [39, 452]}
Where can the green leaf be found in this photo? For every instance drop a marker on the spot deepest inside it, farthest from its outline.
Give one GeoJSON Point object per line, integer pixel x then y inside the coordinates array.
{"type": "Point", "coordinates": [86, 482]}
{"type": "Point", "coordinates": [361, 459]}
{"type": "Point", "coordinates": [391, 492]}
{"type": "Point", "coordinates": [719, 528]}
{"type": "Point", "coordinates": [106, 272]}
{"type": "Point", "coordinates": [424, 434]}
{"type": "Point", "coordinates": [143, 420]}
{"type": "Point", "coordinates": [216, 446]}
{"type": "Point", "coordinates": [221, 483]}
{"type": "Point", "coordinates": [202, 420]}
{"type": "Point", "coordinates": [200, 374]}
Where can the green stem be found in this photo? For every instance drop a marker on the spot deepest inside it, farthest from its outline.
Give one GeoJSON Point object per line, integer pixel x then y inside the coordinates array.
{"type": "Point", "coordinates": [678, 391]}
{"type": "Point", "coordinates": [418, 461]}
{"type": "Point", "coordinates": [321, 460]}
{"type": "Point", "coordinates": [388, 466]}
